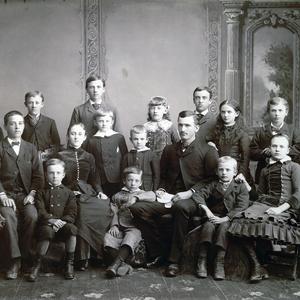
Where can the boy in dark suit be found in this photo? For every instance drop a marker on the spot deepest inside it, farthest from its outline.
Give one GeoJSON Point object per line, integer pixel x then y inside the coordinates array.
{"type": "Point", "coordinates": [57, 210]}
{"type": "Point", "coordinates": [221, 200]}
{"type": "Point", "coordinates": [123, 236]}
{"type": "Point", "coordinates": [39, 129]}
{"type": "Point", "coordinates": [84, 113]}
{"type": "Point", "coordinates": [21, 175]}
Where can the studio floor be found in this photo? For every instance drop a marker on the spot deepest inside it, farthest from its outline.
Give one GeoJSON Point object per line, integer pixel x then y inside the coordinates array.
{"type": "Point", "coordinates": [145, 285]}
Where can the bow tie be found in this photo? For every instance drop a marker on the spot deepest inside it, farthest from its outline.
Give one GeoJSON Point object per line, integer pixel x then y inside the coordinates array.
{"type": "Point", "coordinates": [15, 144]}
{"type": "Point", "coordinates": [96, 106]}
{"type": "Point", "coordinates": [275, 129]}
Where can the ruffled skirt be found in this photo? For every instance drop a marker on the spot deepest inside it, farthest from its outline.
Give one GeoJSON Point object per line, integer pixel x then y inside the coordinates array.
{"type": "Point", "coordinates": [255, 223]}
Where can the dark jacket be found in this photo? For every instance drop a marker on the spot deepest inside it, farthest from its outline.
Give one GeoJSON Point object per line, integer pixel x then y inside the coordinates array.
{"type": "Point", "coordinates": [56, 203]}
{"type": "Point", "coordinates": [197, 165]}
{"type": "Point", "coordinates": [149, 163]}
{"type": "Point", "coordinates": [26, 164]}
{"type": "Point", "coordinates": [236, 197]}
{"type": "Point", "coordinates": [44, 135]}
{"type": "Point", "coordinates": [262, 140]}
{"type": "Point", "coordinates": [84, 113]}
{"type": "Point", "coordinates": [109, 153]}
{"type": "Point", "coordinates": [206, 124]}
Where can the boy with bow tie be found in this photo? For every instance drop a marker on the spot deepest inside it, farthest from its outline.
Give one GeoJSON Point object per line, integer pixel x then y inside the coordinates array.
{"type": "Point", "coordinates": [21, 174]}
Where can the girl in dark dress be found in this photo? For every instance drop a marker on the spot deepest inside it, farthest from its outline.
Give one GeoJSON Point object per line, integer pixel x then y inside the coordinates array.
{"type": "Point", "coordinates": [273, 216]}
{"type": "Point", "coordinates": [231, 139]}
{"type": "Point", "coordinates": [94, 213]}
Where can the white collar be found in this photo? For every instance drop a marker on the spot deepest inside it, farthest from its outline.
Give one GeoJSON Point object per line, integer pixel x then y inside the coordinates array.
{"type": "Point", "coordinates": [34, 117]}
{"type": "Point", "coordinates": [94, 102]}
{"type": "Point", "coordinates": [105, 134]}
{"type": "Point", "coordinates": [202, 113]}
{"type": "Point", "coordinates": [127, 190]}
{"type": "Point", "coordinates": [10, 141]}
{"type": "Point", "coordinates": [140, 150]}
{"type": "Point", "coordinates": [163, 124]}
{"type": "Point", "coordinates": [272, 125]}
{"type": "Point", "coordinates": [272, 161]}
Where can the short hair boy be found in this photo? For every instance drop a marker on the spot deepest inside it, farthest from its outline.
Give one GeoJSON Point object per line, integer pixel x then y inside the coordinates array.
{"type": "Point", "coordinates": [21, 174]}
{"type": "Point", "coordinates": [221, 200]}
{"type": "Point", "coordinates": [95, 88]}
{"type": "Point", "coordinates": [122, 235]}
{"type": "Point", "coordinates": [39, 129]}
{"type": "Point", "coordinates": [141, 156]}
{"type": "Point", "coordinates": [57, 210]}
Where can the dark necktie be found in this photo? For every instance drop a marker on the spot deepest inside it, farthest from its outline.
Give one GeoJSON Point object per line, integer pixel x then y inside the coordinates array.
{"type": "Point", "coordinates": [96, 106]}
{"type": "Point", "coordinates": [33, 121]}
{"type": "Point", "coordinates": [15, 144]}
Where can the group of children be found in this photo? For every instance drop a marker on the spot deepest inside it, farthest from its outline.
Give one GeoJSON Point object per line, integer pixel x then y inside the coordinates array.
{"type": "Point", "coordinates": [106, 172]}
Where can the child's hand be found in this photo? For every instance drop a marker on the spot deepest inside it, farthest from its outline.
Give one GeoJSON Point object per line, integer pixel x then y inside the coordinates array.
{"type": "Point", "coordinates": [115, 232]}
{"type": "Point", "coordinates": [76, 193]}
{"type": "Point", "coordinates": [267, 152]}
{"type": "Point", "coordinates": [212, 145]}
{"type": "Point", "coordinates": [241, 178]}
{"type": "Point", "coordinates": [102, 196]}
{"type": "Point", "coordinates": [218, 220]}
{"type": "Point", "coordinates": [58, 223]}
{"type": "Point", "coordinates": [29, 199]}
{"type": "Point", "coordinates": [274, 211]}
{"type": "Point", "coordinates": [182, 196]}
{"type": "Point", "coordinates": [8, 202]}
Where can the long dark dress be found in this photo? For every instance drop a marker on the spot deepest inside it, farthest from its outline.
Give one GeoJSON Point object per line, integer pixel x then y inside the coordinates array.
{"type": "Point", "coordinates": [279, 183]}
{"type": "Point", "coordinates": [94, 215]}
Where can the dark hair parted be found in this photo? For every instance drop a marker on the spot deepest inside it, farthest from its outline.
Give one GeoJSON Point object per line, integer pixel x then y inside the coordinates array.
{"type": "Point", "coordinates": [218, 136]}
{"type": "Point", "coordinates": [10, 114]}
{"type": "Point", "coordinates": [188, 113]}
{"type": "Point", "coordinates": [281, 135]}
{"type": "Point", "coordinates": [76, 124]}
{"type": "Point", "coordinates": [93, 78]}
{"type": "Point", "coordinates": [33, 94]}
{"type": "Point", "coordinates": [200, 89]}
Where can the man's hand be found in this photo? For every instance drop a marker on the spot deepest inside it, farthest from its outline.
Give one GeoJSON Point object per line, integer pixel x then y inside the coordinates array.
{"type": "Point", "coordinates": [8, 202]}
{"type": "Point", "coordinates": [266, 152]}
{"type": "Point", "coordinates": [29, 199]}
{"type": "Point", "coordinates": [182, 196]}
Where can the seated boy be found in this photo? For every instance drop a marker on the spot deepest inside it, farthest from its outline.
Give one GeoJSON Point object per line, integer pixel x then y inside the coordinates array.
{"type": "Point", "coordinates": [221, 200]}
{"type": "Point", "coordinates": [142, 157]}
{"type": "Point", "coordinates": [21, 175]}
{"type": "Point", "coordinates": [39, 129]}
{"type": "Point", "coordinates": [122, 238]}
{"type": "Point", "coordinates": [57, 210]}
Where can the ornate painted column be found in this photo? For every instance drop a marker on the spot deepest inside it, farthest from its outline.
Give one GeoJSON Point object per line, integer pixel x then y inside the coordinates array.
{"type": "Point", "coordinates": [233, 12]}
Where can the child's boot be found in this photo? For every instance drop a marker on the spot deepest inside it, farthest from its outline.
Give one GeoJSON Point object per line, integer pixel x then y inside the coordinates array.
{"type": "Point", "coordinates": [111, 271]}
{"type": "Point", "coordinates": [35, 269]}
{"type": "Point", "coordinates": [201, 269]}
{"type": "Point", "coordinates": [69, 266]}
{"type": "Point", "coordinates": [257, 271]}
{"type": "Point", "coordinates": [219, 273]}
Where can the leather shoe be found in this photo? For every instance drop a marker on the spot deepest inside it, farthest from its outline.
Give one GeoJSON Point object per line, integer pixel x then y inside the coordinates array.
{"type": "Point", "coordinates": [12, 272]}
{"type": "Point", "coordinates": [201, 271]}
{"type": "Point", "coordinates": [172, 270]}
{"type": "Point", "coordinates": [82, 265]}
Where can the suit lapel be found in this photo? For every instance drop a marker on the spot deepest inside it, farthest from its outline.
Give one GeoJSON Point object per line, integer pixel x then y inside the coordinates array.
{"type": "Point", "coordinates": [8, 148]}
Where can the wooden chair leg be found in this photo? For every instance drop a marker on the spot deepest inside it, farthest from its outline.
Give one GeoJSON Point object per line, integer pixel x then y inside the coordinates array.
{"type": "Point", "coordinates": [295, 263]}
